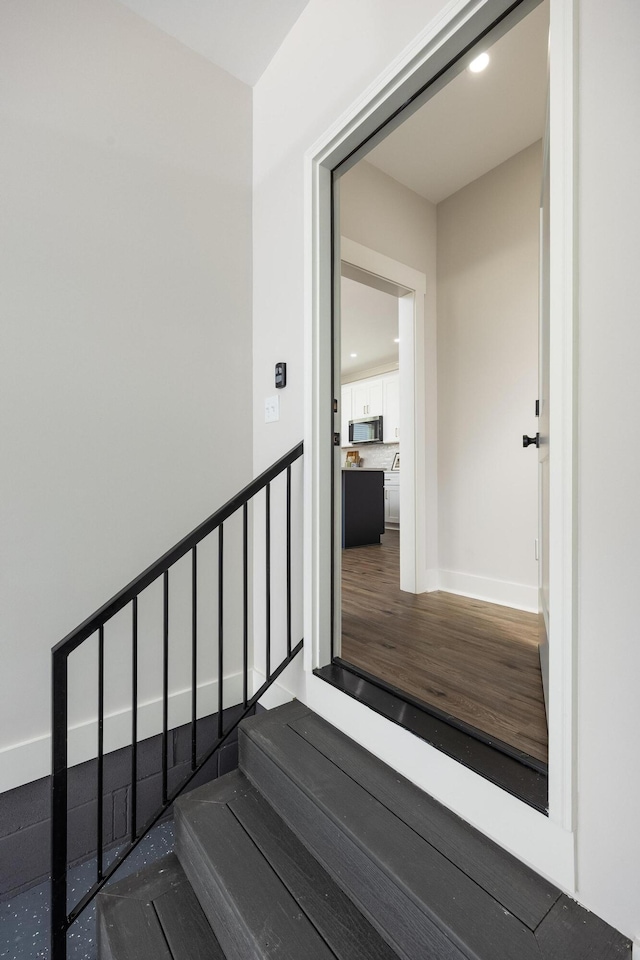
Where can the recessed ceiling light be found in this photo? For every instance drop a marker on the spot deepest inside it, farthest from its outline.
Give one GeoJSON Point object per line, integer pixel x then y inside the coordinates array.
{"type": "Point", "coordinates": [397, 340]}
{"type": "Point", "coordinates": [480, 63]}
{"type": "Point", "coordinates": [353, 354]}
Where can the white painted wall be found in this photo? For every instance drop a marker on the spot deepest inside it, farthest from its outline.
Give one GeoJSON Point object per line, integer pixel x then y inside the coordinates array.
{"type": "Point", "coordinates": [609, 463]}
{"type": "Point", "coordinates": [125, 354]}
{"type": "Point", "coordinates": [292, 108]}
{"type": "Point", "coordinates": [384, 215]}
{"type": "Point", "coordinates": [295, 103]}
{"type": "Point", "coordinates": [487, 293]}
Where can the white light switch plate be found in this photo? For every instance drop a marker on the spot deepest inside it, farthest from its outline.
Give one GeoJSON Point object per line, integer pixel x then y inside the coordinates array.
{"type": "Point", "coordinates": [272, 409]}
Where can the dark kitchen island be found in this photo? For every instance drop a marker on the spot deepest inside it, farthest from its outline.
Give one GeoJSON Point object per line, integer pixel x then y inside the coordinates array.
{"type": "Point", "coordinates": [362, 506]}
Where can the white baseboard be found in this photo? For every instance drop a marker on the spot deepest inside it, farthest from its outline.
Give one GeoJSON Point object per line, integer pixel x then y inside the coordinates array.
{"type": "Point", "coordinates": [30, 760]}
{"type": "Point", "coordinates": [506, 594]}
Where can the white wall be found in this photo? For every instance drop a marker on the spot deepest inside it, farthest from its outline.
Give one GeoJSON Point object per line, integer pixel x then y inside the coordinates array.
{"type": "Point", "coordinates": [484, 241]}
{"type": "Point", "coordinates": [487, 292]}
{"type": "Point", "coordinates": [125, 355]}
{"type": "Point", "coordinates": [384, 215]}
{"type": "Point", "coordinates": [292, 108]}
{"type": "Point", "coordinates": [296, 102]}
{"type": "Point", "coordinates": [609, 462]}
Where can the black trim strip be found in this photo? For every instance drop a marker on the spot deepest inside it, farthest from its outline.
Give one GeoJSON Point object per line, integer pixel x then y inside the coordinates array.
{"type": "Point", "coordinates": [480, 754]}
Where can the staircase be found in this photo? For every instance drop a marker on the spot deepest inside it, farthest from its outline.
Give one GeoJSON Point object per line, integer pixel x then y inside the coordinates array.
{"type": "Point", "coordinates": [314, 850]}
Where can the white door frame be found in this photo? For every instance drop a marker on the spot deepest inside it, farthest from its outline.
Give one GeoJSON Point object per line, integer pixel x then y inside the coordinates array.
{"type": "Point", "coordinates": [436, 46]}
{"type": "Point", "coordinates": [418, 369]}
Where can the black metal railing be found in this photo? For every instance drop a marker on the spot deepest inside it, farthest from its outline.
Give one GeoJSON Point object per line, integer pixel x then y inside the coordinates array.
{"type": "Point", "coordinates": [64, 914]}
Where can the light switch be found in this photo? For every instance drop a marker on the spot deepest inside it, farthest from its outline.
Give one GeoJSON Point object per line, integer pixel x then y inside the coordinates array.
{"type": "Point", "coordinates": [272, 409]}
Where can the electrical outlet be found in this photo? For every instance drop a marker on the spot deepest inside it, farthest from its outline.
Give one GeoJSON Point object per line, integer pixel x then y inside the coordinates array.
{"type": "Point", "coordinates": [272, 409]}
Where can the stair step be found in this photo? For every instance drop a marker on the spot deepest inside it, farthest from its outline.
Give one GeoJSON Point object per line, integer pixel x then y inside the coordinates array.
{"type": "Point", "coordinates": [154, 915]}
{"type": "Point", "coordinates": [315, 849]}
{"type": "Point", "coordinates": [431, 884]}
{"type": "Point", "coordinates": [263, 893]}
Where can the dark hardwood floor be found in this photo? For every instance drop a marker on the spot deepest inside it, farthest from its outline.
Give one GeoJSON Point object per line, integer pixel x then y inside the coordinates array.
{"type": "Point", "coordinates": [476, 661]}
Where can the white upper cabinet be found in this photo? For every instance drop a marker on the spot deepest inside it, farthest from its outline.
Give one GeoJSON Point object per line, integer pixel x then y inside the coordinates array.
{"type": "Point", "coordinates": [373, 397]}
{"type": "Point", "coordinates": [367, 398]}
{"type": "Point", "coordinates": [391, 411]}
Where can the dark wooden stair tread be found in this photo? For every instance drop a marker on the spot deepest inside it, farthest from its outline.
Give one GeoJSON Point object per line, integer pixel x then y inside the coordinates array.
{"type": "Point", "coordinates": [315, 849]}
{"type": "Point", "coordinates": [406, 860]}
{"type": "Point", "coordinates": [264, 893]}
{"type": "Point", "coordinates": [523, 892]}
{"type": "Point", "coordinates": [394, 867]}
{"type": "Point", "coordinates": [154, 915]}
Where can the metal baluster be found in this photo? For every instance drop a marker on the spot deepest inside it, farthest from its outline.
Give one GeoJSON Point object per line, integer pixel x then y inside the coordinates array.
{"type": "Point", "coordinates": [220, 626]}
{"type": "Point", "coordinates": [268, 575]}
{"type": "Point", "coordinates": [245, 608]}
{"type": "Point", "coordinates": [289, 561]}
{"type": "Point", "coordinates": [194, 658]}
{"type": "Point", "coordinates": [99, 838]}
{"type": "Point", "coordinates": [165, 685]}
{"type": "Point", "coordinates": [59, 807]}
{"type": "Point", "coordinates": [134, 717]}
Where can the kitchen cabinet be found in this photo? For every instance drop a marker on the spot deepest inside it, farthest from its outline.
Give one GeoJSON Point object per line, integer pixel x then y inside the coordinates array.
{"type": "Point", "coordinates": [391, 409]}
{"type": "Point", "coordinates": [366, 398]}
{"type": "Point", "coordinates": [372, 397]}
{"type": "Point", "coordinates": [362, 507]}
{"type": "Point", "coordinates": [392, 500]}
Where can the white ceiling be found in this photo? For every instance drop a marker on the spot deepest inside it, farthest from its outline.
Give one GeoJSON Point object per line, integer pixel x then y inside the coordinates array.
{"type": "Point", "coordinates": [241, 36]}
{"type": "Point", "coordinates": [469, 127]}
{"type": "Point", "coordinates": [478, 120]}
{"type": "Point", "coordinates": [368, 325]}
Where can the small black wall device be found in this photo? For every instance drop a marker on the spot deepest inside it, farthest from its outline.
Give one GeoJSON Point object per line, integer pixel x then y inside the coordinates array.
{"type": "Point", "coordinates": [281, 375]}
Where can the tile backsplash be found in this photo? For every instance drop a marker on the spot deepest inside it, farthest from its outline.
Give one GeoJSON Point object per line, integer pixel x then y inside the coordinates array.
{"type": "Point", "coordinates": [379, 456]}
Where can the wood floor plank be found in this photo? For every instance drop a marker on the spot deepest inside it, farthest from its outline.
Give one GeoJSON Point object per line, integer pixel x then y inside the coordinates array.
{"type": "Point", "coordinates": [448, 899]}
{"type": "Point", "coordinates": [155, 915]}
{"type": "Point", "coordinates": [570, 932]}
{"type": "Point", "coordinates": [391, 913]}
{"type": "Point", "coordinates": [185, 926]}
{"type": "Point", "coordinates": [342, 926]}
{"type": "Point", "coordinates": [249, 908]}
{"type": "Point", "coordinates": [477, 661]}
{"type": "Point", "coordinates": [129, 930]}
{"type": "Point", "coordinates": [523, 892]}
{"type": "Point", "coordinates": [151, 881]}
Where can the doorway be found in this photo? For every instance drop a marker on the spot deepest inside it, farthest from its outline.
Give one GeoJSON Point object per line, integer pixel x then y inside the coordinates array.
{"type": "Point", "coordinates": [466, 642]}
{"type": "Point", "coordinates": [442, 47]}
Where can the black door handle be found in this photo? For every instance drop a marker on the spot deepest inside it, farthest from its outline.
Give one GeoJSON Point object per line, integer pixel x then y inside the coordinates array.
{"type": "Point", "coordinates": [527, 441]}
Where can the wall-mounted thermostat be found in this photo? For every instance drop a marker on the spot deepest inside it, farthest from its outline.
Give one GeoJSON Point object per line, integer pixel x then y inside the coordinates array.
{"type": "Point", "coordinates": [281, 375]}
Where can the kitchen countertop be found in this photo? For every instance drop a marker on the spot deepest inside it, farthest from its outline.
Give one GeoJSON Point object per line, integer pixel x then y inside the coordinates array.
{"type": "Point", "coordinates": [363, 469]}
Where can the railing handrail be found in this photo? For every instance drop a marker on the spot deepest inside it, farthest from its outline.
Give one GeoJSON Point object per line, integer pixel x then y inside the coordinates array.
{"type": "Point", "coordinates": [62, 914]}
{"type": "Point", "coordinates": [89, 626]}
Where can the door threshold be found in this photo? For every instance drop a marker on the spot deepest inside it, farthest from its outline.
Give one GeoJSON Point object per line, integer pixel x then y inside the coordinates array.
{"type": "Point", "coordinates": [507, 767]}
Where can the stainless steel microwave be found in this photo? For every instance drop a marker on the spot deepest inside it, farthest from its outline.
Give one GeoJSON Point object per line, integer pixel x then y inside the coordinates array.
{"type": "Point", "coordinates": [368, 430]}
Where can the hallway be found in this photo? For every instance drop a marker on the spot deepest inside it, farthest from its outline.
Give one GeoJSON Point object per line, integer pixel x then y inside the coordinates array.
{"type": "Point", "coordinates": [474, 660]}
